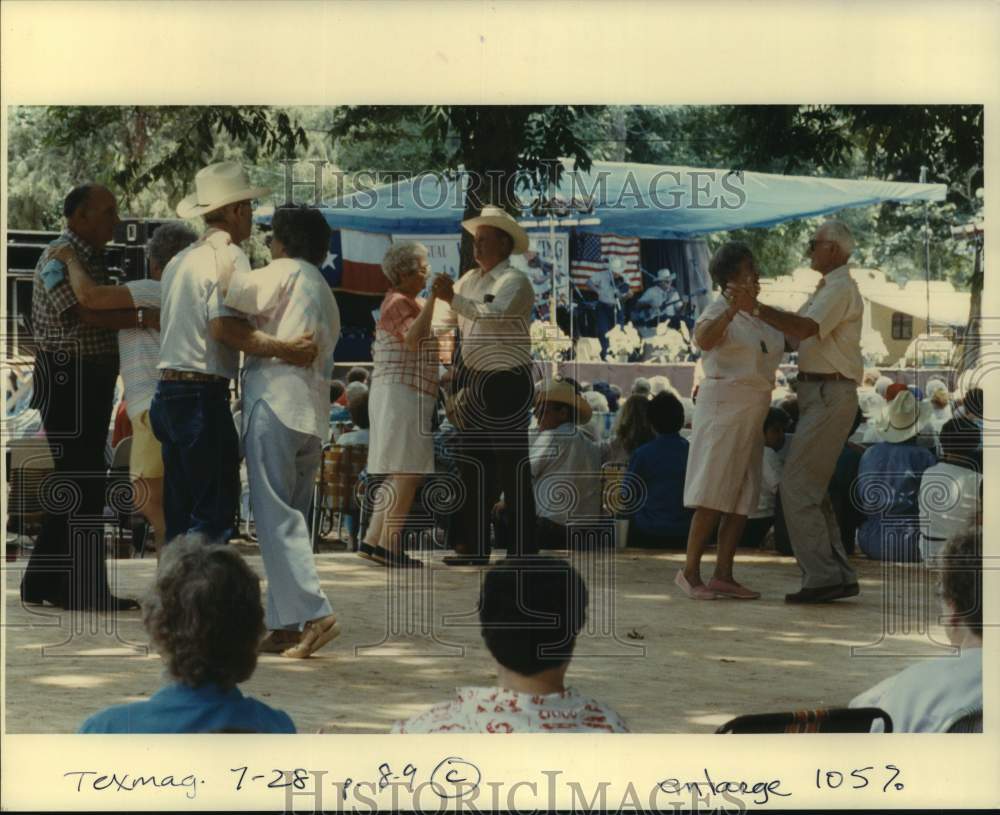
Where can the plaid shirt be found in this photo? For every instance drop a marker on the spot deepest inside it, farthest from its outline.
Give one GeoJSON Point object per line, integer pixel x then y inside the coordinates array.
{"type": "Point", "coordinates": [394, 363]}
{"type": "Point", "coordinates": [55, 326]}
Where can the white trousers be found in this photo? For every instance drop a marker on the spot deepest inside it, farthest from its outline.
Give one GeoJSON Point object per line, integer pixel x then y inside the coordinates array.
{"type": "Point", "coordinates": [281, 468]}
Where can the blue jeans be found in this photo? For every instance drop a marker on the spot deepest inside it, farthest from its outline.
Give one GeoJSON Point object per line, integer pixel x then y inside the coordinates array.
{"type": "Point", "coordinates": [201, 480]}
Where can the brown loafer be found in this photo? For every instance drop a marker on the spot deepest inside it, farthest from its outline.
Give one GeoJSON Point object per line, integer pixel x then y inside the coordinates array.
{"type": "Point", "coordinates": [278, 641]}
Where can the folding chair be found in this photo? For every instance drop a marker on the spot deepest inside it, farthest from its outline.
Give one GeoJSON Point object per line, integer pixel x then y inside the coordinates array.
{"type": "Point", "coordinates": [820, 720]}
{"type": "Point", "coordinates": [119, 479]}
{"type": "Point", "coordinates": [612, 479]}
{"type": "Point", "coordinates": [336, 484]}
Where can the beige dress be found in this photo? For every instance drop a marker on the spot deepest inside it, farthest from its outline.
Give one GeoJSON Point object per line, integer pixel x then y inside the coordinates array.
{"type": "Point", "coordinates": [727, 440]}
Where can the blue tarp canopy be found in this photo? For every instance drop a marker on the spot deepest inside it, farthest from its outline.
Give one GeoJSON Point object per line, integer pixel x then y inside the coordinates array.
{"type": "Point", "coordinates": [642, 200]}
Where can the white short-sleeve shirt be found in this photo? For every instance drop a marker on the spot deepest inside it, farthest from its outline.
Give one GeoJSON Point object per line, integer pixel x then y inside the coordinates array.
{"type": "Point", "coordinates": [837, 308]}
{"type": "Point", "coordinates": [191, 299]}
{"type": "Point", "coordinates": [949, 502]}
{"type": "Point", "coordinates": [139, 351]}
{"type": "Point", "coordinates": [748, 353]}
{"type": "Point", "coordinates": [493, 312]}
{"type": "Point", "coordinates": [288, 298]}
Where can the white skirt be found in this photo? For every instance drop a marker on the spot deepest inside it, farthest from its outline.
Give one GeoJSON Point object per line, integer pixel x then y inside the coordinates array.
{"type": "Point", "coordinates": [727, 448]}
{"type": "Point", "coordinates": [400, 438]}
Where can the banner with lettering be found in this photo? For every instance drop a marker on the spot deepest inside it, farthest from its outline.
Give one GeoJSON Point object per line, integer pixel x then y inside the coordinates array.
{"type": "Point", "coordinates": [545, 254]}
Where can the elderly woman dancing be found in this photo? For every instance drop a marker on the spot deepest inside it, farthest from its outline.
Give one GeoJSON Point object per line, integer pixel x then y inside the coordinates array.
{"type": "Point", "coordinates": [740, 355]}
{"type": "Point", "coordinates": [401, 402]}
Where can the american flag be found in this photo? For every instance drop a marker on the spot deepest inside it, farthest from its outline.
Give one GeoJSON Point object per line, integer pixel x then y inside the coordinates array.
{"type": "Point", "coordinates": [591, 253]}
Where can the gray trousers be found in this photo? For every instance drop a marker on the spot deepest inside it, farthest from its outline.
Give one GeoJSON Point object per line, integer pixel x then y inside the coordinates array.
{"type": "Point", "coordinates": [826, 413]}
{"type": "Point", "coordinates": [281, 469]}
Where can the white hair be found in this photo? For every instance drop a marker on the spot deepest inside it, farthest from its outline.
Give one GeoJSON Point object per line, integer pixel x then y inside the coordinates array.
{"type": "Point", "coordinates": [658, 384]}
{"type": "Point", "coordinates": [355, 389]}
{"type": "Point", "coordinates": [597, 401]}
{"type": "Point", "coordinates": [840, 234]}
{"type": "Point", "coordinates": [641, 385]}
{"type": "Point", "coordinates": [402, 258]}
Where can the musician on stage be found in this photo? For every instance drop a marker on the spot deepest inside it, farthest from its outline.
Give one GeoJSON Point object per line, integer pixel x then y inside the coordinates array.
{"type": "Point", "coordinates": [612, 289]}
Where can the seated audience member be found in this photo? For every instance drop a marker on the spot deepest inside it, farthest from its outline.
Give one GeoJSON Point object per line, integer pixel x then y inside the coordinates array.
{"type": "Point", "coordinates": [933, 694]}
{"type": "Point", "coordinates": [658, 384]}
{"type": "Point", "coordinates": [338, 402]}
{"type": "Point", "coordinates": [939, 400]}
{"type": "Point", "coordinates": [972, 406]}
{"type": "Point", "coordinates": [762, 518]}
{"type": "Point", "coordinates": [531, 658]}
{"type": "Point", "coordinates": [888, 482]}
{"type": "Point", "coordinates": [871, 376]}
{"type": "Point", "coordinates": [951, 491]}
{"type": "Point", "coordinates": [662, 522]}
{"type": "Point", "coordinates": [882, 385]}
{"type": "Point", "coordinates": [640, 387]}
{"type": "Point", "coordinates": [845, 508]}
{"type": "Point", "coordinates": [565, 460]}
{"type": "Point", "coordinates": [358, 374]}
{"type": "Point", "coordinates": [599, 426]}
{"type": "Point", "coordinates": [357, 406]}
{"type": "Point", "coordinates": [790, 407]}
{"type": "Point", "coordinates": [631, 428]}
{"type": "Point", "coordinates": [611, 393]}
{"type": "Point", "coordinates": [204, 617]}
{"type": "Point", "coordinates": [871, 406]}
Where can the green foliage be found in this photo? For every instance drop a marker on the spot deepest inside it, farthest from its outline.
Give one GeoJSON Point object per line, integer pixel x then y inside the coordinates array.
{"type": "Point", "coordinates": [147, 155]}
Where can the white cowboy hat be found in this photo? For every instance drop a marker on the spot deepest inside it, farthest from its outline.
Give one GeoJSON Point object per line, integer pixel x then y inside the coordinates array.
{"type": "Point", "coordinates": [563, 392]}
{"type": "Point", "coordinates": [903, 417]}
{"type": "Point", "coordinates": [665, 274]}
{"type": "Point", "coordinates": [217, 185]}
{"type": "Point", "coordinates": [502, 220]}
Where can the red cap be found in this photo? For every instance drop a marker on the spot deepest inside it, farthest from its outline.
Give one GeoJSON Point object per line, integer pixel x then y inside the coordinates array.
{"type": "Point", "coordinates": [894, 390]}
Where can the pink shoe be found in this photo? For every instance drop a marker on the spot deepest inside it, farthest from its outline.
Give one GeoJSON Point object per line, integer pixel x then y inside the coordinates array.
{"type": "Point", "coordinates": [732, 589]}
{"type": "Point", "coordinates": [699, 592]}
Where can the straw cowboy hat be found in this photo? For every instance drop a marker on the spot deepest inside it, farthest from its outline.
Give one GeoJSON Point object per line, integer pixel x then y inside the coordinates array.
{"type": "Point", "coordinates": [217, 185]}
{"type": "Point", "coordinates": [564, 393]}
{"type": "Point", "coordinates": [665, 274]}
{"type": "Point", "coordinates": [903, 417]}
{"type": "Point", "coordinates": [502, 220]}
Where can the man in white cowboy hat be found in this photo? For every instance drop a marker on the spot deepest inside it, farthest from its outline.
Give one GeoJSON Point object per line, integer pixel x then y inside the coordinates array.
{"type": "Point", "coordinates": [659, 302]}
{"type": "Point", "coordinates": [564, 461]}
{"type": "Point", "coordinates": [200, 341]}
{"type": "Point", "coordinates": [491, 306]}
{"type": "Point", "coordinates": [888, 482]}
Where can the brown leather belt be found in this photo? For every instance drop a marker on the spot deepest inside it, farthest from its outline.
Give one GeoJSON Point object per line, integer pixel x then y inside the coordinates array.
{"type": "Point", "coordinates": [805, 376]}
{"type": "Point", "coordinates": [170, 375]}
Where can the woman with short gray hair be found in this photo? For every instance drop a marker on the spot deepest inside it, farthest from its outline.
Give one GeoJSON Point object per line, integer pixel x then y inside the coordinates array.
{"type": "Point", "coordinates": [401, 401]}
{"type": "Point", "coordinates": [205, 618]}
{"type": "Point", "coordinates": [740, 354]}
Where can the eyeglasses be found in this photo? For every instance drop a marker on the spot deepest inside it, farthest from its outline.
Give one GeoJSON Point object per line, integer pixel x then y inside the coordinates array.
{"type": "Point", "coordinates": [814, 243]}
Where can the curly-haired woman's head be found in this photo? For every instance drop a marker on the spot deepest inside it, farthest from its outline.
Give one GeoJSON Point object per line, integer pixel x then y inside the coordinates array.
{"type": "Point", "coordinates": [204, 615]}
{"type": "Point", "coordinates": [962, 586]}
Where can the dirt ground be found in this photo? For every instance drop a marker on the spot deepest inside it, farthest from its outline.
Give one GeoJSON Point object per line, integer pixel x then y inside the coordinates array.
{"type": "Point", "coordinates": [665, 663]}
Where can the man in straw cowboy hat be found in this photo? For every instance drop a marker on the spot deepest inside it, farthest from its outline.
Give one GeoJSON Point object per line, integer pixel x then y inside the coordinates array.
{"type": "Point", "coordinates": [491, 306]}
{"type": "Point", "coordinates": [199, 354]}
{"type": "Point", "coordinates": [565, 461]}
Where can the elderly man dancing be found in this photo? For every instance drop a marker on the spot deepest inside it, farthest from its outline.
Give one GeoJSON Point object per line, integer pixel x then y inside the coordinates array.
{"type": "Point", "coordinates": [75, 371]}
{"type": "Point", "coordinates": [200, 343]}
{"type": "Point", "coordinates": [827, 329]}
{"type": "Point", "coordinates": [491, 305]}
